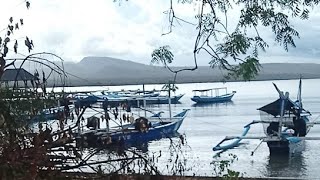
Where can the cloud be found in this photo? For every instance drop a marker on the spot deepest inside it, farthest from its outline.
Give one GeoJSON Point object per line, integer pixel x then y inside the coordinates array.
{"type": "Point", "coordinates": [133, 29]}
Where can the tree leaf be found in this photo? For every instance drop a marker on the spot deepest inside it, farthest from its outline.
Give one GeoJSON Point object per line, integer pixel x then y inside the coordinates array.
{"type": "Point", "coordinates": [28, 43]}
{"type": "Point", "coordinates": [6, 40]}
{"type": "Point", "coordinates": [305, 14]}
{"type": "Point", "coordinates": [10, 27]}
{"type": "Point", "coordinates": [162, 54]}
{"type": "Point", "coordinates": [5, 50]}
{"type": "Point", "coordinates": [28, 4]}
{"type": "Point", "coordinates": [15, 47]}
{"type": "Point", "coordinates": [248, 69]}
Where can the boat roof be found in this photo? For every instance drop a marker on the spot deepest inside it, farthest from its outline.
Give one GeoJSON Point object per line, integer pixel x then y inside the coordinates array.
{"type": "Point", "coordinates": [203, 90]}
{"type": "Point", "coordinates": [274, 108]}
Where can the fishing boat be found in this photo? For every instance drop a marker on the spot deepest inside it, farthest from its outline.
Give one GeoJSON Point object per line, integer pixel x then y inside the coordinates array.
{"type": "Point", "coordinates": [286, 125]}
{"type": "Point", "coordinates": [212, 95]}
{"type": "Point", "coordinates": [116, 99]}
{"type": "Point", "coordinates": [140, 131]}
{"type": "Point", "coordinates": [129, 93]}
{"type": "Point", "coordinates": [161, 99]}
{"type": "Point", "coordinates": [129, 130]}
{"type": "Point", "coordinates": [50, 114]}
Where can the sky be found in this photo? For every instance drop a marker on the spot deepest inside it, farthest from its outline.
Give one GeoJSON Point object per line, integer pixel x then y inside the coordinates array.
{"type": "Point", "coordinates": [132, 29]}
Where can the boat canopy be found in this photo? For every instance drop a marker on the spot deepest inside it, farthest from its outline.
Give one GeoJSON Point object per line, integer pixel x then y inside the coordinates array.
{"type": "Point", "coordinates": [274, 108]}
{"type": "Point", "coordinates": [203, 90]}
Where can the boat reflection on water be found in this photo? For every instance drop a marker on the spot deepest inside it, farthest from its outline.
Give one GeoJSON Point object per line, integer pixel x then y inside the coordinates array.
{"type": "Point", "coordinates": [286, 166]}
{"type": "Point", "coordinates": [143, 146]}
{"type": "Point", "coordinates": [216, 104]}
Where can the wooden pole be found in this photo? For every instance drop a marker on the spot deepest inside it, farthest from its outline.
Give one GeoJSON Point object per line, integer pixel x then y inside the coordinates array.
{"type": "Point", "coordinates": [169, 100]}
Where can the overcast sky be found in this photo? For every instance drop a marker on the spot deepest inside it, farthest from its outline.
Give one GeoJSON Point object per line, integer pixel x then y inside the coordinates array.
{"type": "Point", "coordinates": [131, 30]}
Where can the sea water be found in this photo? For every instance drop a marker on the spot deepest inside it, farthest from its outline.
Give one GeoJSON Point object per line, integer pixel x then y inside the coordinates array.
{"type": "Point", "coordinates": [206, 125]}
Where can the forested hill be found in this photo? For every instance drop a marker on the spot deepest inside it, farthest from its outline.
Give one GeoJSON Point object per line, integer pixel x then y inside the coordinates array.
{"type": "Point", "coordinates": [111, 71]}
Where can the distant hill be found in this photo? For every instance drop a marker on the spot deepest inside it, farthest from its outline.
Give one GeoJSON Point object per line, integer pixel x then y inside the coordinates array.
{"type": "Point", "coordinates": [111, 71]}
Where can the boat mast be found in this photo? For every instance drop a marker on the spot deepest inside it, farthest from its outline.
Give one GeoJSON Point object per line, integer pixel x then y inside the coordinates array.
{"type": "Point", "coordinates": [169, 100]}
{"type": "Point", "coordinates": [299, 97]}
{"type": "Point", "coordinates": [281, 114]}
{"type": "Point", "coordinates": [138, 105]}
{"type": "Point", "coordinates": [144, 101]}
{"type": "Point", "coordinates": [283, 98]}
{"type": "Point", "coordinates": [143, 90]}
{"type": "Point", "coordinates": [144, 106]}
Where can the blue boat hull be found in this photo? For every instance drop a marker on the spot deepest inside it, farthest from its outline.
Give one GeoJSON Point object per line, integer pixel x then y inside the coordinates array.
{"type": "Point", "coordinates": [129, 137]}
{"type": "Point", "coordinates": [209, 99]}
{"type": "Point", "coordinates": [137, 137]}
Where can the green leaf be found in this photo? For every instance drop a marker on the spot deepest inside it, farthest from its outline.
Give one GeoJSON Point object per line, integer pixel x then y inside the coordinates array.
{"type": "Point", "coordinates": [236, 44]}
{"type": "Point", "coordinates": [248, 69]}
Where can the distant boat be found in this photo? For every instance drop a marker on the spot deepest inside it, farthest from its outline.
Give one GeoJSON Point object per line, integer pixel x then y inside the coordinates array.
{"type": "Point", "coordinates": [150, 98]}
{"type": "Point", "coordinates": [50, 114]}
{"type": "Point", "coordinates": [161, 99]}
{"type": "Point", "coordinates": [212, 95]}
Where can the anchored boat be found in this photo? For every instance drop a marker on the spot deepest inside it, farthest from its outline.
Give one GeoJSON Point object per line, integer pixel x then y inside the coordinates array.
{"type": "Point", "coordinates": [286, 124]}
{"type": "Point", "coordinates": [212, 95]}
{"type": "Point", "coordinates": [129, 130]}
{"type": "Point", "coordinates": [140, 131]}
{"type": "Point", "coordinates": [116, 98]}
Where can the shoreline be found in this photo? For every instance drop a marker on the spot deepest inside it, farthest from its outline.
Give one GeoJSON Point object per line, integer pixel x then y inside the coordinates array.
{"type": "Point", "coordinates": [82, 175]}
{"type": "Point", "coordinates": [178, 82]}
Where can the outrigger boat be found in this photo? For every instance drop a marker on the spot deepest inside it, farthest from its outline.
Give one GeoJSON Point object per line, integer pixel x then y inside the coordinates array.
{"type": "Point", "coordinates": [285, 122]}
{"type": "Point", "coordinates": [212, 95]}
{"type": "Point", "coordinates": [140, 131]}
{"type": "Point", "coordinates": [114, 98]}
{"type": "Point", "coordinates": [130, 130]}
